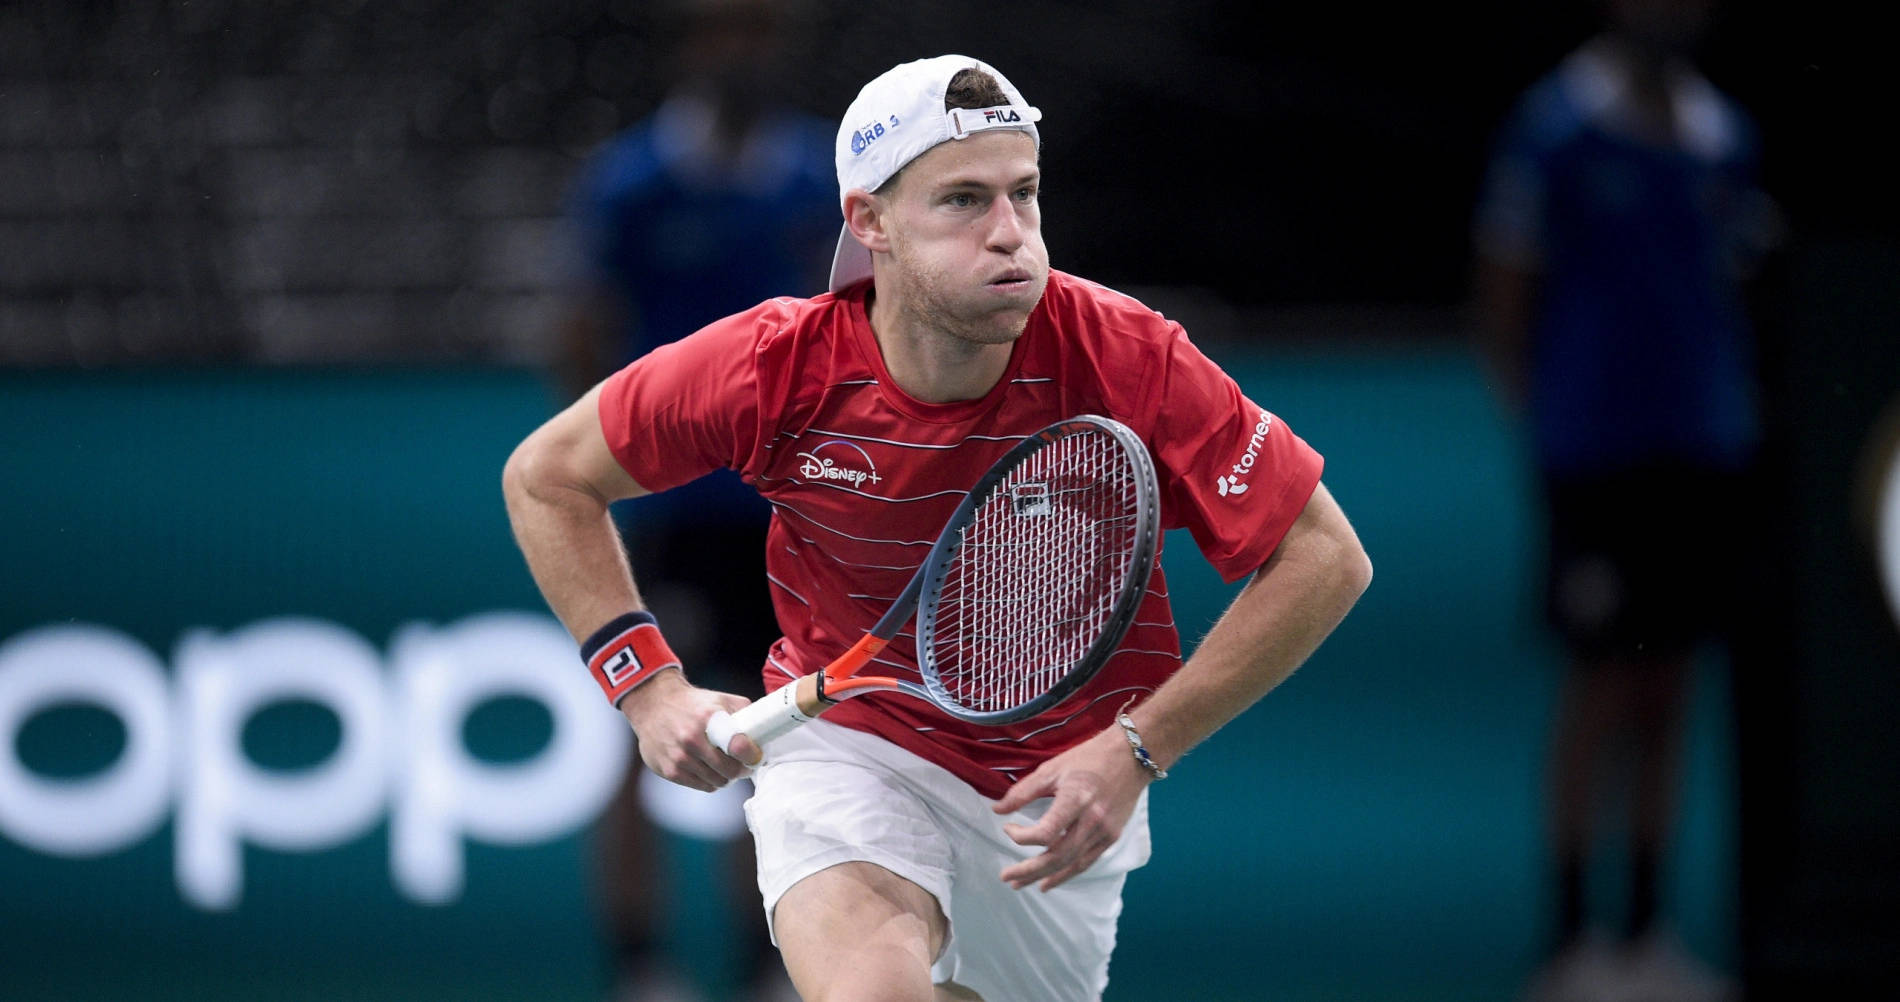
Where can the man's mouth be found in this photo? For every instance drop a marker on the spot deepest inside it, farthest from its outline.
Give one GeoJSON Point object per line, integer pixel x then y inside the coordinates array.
{"type": "Point", "coordinates": [1011, 279]}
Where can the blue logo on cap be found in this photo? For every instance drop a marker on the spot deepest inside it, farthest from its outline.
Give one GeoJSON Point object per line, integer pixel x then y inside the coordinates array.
{"type": "Point", "coordinates": [863, 138]}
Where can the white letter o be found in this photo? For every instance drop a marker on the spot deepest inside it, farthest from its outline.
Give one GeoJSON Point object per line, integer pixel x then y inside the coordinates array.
{"type": "Point", "coordinates": [98, 814]}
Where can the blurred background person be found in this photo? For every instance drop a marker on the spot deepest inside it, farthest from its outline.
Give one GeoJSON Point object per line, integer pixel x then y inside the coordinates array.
{"type": "Point", "coordinates": [1619, 220]}
{"type": "Point", "coordinates": [723, 197]}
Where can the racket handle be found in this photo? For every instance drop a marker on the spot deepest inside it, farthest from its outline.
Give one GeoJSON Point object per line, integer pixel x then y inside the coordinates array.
{"type": "Point", "coordinates": [780, 711]}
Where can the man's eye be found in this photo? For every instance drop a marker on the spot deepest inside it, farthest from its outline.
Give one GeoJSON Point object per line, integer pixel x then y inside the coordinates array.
{"type": "Point", "coordinates": [962, 201]}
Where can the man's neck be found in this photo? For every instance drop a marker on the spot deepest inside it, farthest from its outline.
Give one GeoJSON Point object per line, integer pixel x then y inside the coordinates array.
{"type": "Point", "coordinates": [929, 364]}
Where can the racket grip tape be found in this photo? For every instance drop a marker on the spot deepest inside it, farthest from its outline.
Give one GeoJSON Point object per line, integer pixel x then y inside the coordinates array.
{"type": "Point", "coordinates": [781, 710]}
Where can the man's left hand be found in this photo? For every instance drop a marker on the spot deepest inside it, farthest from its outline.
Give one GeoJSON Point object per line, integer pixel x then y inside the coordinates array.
{"type": "Point", "coordinates": [1096, 785]}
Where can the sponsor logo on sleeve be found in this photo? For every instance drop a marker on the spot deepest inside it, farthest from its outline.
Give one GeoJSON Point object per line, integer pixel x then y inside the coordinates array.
{"type": "Point", "coordinates": [1233, 483]}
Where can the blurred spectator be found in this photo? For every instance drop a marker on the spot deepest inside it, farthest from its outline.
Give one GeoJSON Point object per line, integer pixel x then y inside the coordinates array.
{"type": "Point", "coordinates": [1618, 223]}
{"type": "Point", "coordinates": [724, 197]}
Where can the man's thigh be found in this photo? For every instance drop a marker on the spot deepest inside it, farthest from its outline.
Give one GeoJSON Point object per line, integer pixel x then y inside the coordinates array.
{"type": "Point", "coordinates": [856, 929]}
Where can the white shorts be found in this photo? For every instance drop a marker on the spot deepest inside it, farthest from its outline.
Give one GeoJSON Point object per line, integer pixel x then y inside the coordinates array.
{"type": "Point", "coordinates": [828, 795]}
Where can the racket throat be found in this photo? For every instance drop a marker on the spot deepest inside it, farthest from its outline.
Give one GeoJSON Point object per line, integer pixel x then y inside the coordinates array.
{"type": "Point", "coordinates": [849, 663]}
{"type": "Point", "coordinates": [842, 675]}
{"type": "Point", "coordinates": [808, 694]}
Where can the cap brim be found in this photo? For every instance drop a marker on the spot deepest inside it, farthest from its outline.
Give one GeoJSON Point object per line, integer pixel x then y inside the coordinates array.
{"type": "Point", "coordinates": [851, 263]}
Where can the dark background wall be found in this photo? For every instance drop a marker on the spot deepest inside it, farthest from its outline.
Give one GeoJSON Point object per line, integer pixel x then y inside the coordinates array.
{"type": "Point", "coordinates": [297, 181]}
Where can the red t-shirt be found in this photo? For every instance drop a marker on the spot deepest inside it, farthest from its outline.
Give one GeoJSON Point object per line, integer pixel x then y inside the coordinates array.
{"type": "Point", "coordinates": [793, 394]}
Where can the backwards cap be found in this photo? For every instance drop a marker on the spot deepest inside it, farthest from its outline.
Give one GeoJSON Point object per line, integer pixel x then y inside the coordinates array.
{"type": "Point", "coordinates": [899, 117]}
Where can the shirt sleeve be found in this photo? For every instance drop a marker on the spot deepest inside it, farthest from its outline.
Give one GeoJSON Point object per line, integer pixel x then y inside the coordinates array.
{"type": "Point", "coordinates": [1232, 473]}
{"type": "Point", "coordinates": [687, 408]}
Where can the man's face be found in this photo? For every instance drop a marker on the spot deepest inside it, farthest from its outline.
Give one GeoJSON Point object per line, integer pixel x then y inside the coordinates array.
{"type": "Point", "coordinates": [966, 235]}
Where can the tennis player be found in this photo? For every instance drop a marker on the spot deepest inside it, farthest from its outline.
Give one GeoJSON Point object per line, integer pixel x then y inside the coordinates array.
{"type": "Point", "coordinates": [904, 855]}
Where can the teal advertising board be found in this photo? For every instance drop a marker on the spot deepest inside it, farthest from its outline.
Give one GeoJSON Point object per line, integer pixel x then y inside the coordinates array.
{"type": "Point", "coordinates": [244, 611]}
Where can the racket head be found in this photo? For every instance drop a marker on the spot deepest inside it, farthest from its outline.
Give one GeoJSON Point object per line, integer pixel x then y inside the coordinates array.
{"type": "Point", "coordinates": [1039, 572]}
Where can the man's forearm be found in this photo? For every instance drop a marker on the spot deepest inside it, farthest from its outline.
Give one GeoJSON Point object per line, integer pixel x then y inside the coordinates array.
{"type": "Point", "coordinates": [1276, 622]}
{"type": "Point", "coordinates": [572, 549]}
{"type": "Point", "coordinates": [558, 485]}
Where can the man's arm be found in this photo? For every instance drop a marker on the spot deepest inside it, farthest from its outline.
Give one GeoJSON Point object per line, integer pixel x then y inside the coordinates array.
{"type": "Point", "coordinates": [558, 484]}
{"type": "Point", "coordinates": [1276, 622]}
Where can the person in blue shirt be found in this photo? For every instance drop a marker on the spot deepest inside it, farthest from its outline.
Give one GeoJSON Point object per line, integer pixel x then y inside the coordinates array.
{"type": "Point", "coordinates": [723, 197]}
{"type": "Point", "coordinates": [1618, 222]}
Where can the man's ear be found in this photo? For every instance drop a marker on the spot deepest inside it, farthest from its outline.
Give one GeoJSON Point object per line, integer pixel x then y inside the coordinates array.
{"type": "Point", "coordinates": [864, 216]}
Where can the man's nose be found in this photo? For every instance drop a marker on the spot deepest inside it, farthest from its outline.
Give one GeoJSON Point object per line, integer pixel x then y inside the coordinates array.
{"type": "Point", "coordinates": [1005, 225]}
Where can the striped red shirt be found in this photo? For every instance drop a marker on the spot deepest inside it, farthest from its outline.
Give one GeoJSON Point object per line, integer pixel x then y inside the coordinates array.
{"type": "Point", "coordinates": [793, 394]}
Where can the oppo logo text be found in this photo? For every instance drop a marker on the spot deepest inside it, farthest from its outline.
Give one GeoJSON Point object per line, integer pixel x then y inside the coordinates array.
{"type": "Point", "coordinates": [400, 749]}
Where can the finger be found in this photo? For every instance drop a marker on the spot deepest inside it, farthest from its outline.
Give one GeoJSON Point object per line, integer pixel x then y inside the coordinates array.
{"type": "Point", "coordinates": [1034, 786]}
{"type": "Point", "coordinates": [727, 766]}
{"type": "Point", "coordinates": [1062, 876]}
{"type": "Point", "coordinates": [746, 752]}
{"type": "Point", "coordinates": [1060, 863]}
{"type": "Point", "coordinates": [724, 766]}
{"type": "Point", "coordinates": [1021, 875]}
{"type": "Point", "coordinates": [739, 747]}
{"type": "Point", "coordinates": [1050, 861]}
{"type": "Point", "coordinates": [732, 761]}
{"type": "Point", "coordinates": [1061, 850]}
{"type": "Point", "coordinates": [1080, 864]}
{"type": "Point", "coordinates": [1041, 868]}
{"type": "Point", "coordinates": [1057, 820]}
{"type": "Point", "coordinates": [690, 771]}
{"type": "Point", "coordinates": [688, 780]}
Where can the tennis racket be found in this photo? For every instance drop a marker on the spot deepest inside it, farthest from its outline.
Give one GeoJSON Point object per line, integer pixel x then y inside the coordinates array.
{"type": "Point", "coordinates": [1026, 593]}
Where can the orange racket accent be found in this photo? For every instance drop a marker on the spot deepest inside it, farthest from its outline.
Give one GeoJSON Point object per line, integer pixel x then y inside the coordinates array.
{"type": "Point", "coordinates": [840, 686]}
{"type": "Point", "coordinates": [857, 657]}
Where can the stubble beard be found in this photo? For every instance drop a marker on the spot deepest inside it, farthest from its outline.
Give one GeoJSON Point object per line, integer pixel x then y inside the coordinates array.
{"type": "Point", "coordinates": [931, 306]}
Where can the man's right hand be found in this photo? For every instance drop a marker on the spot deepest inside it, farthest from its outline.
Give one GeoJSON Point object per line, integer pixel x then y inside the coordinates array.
{"type": "Point", "coordinates": [669, 716]}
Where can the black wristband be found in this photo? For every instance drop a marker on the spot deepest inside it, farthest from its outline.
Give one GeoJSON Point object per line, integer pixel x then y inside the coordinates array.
{"type": "Point", "coordinates": [620, 624]}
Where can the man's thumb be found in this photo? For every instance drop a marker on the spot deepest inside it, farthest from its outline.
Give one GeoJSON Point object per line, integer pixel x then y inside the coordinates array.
{"type": "Point", "coordinates": [1026, 789]}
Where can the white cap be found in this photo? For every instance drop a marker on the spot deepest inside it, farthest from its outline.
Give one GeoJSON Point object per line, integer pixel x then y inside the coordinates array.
{"type": "Point", "coordinates": [899, 117]}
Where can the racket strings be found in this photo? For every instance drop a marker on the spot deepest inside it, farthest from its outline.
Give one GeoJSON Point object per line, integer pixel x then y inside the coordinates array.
{"type": "Point", "coordinates": [1036, 578]}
